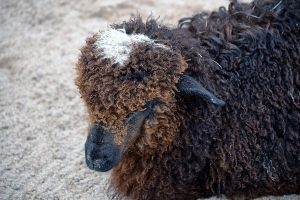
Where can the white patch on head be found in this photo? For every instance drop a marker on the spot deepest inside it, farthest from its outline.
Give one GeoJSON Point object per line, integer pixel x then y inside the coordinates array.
{"type": "Point", "coordinates": [116, 45]}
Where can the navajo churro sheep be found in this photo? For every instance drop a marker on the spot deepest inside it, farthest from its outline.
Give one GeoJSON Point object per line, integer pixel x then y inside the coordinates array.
{"type": "Point", "coordinates": [209, 108]}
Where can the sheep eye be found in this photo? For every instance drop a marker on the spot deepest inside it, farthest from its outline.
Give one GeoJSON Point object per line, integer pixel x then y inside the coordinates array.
{"type": "Point", "coordinates": [129, 117]}
{"type": "Point", "coordinates": [144, 112]}
{"type": "Point", "coordinates": [130, 114]}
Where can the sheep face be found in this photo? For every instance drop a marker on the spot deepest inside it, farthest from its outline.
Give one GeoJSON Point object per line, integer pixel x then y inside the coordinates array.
{"type": "Point", "coordinates": [130, 95]}
{"type": "Point", "coordinates": [128, 83]}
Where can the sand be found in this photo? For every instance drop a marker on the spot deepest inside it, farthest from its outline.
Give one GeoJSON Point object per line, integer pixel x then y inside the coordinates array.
{"type": "Point", "coordinates": [43, 120]}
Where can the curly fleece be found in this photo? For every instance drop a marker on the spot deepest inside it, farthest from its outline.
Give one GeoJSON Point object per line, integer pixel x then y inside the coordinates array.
{"type": "Point", "coordinates": [111, 92]}
{"type": "Point", "coordinates": [248, 56]}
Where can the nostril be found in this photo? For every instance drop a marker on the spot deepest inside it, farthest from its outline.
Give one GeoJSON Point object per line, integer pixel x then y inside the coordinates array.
{"type": "Point", "coordinates": [98, 156]}
{"type": "Point", "coordinates": [100, 159]}
{"type": "Point", "coordinates": [101, 154]}
{"type": "Point", "coordinates": [104, 157]}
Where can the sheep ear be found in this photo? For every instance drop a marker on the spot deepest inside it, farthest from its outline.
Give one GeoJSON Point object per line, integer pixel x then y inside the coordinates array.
{"type": "Point", "coordinates": [188, 85]}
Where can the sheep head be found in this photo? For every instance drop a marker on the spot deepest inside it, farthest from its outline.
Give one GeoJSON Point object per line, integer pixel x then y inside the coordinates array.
{"type": "Point", "coordinates": [129, 85]}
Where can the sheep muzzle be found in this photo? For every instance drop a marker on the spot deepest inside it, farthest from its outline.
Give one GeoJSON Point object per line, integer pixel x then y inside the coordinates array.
{"type": "Point", "coordinates": [101, 153]}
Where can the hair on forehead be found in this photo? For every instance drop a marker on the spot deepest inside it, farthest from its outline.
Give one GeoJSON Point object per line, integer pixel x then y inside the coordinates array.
{"type": "Point", "coordinates": [116, 45]}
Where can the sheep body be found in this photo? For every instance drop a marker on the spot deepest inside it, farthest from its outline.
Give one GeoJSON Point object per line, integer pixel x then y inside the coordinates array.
{"type": "Point", "coordinates": [247, 56]}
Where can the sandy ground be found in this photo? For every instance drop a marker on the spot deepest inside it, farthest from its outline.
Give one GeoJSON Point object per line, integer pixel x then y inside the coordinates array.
{"type": "Point", "coordinates": [43, 120]}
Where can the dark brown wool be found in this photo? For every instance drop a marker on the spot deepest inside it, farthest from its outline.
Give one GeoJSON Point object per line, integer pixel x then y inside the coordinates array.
{"type": "Point", "coordinates": [248, 56]}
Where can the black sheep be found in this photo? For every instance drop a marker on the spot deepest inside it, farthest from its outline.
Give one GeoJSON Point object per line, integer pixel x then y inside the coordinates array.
{"type": "Point", "coordinates": [209, 108]}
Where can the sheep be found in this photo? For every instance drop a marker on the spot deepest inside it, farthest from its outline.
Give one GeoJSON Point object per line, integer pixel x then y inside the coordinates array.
{"type": "Point", "coordinates": [209, 108]}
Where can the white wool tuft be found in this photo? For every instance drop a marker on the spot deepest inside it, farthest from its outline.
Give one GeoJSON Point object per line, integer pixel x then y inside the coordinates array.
{"type": "Point", "coordinates": [116, 45]}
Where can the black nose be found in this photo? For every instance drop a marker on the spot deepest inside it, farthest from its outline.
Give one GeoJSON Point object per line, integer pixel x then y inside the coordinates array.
{"type": "Point", "coordinates": [101, 157]}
